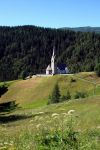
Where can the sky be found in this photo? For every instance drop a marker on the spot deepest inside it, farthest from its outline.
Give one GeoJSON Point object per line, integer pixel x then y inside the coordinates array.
{"type": "Point", "coordinates": [50, 13]}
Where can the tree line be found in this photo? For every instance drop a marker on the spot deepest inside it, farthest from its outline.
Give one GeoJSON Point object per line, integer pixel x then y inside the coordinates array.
{"type": "Point", "coordinates": [27, 50]}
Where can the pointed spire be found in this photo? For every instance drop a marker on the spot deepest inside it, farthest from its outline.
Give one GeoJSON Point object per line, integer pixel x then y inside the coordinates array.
{"type": "Point", "coordinates": [53, 51]}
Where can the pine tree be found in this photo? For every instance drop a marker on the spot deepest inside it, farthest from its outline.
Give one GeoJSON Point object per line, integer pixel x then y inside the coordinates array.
{"type": "Point", "coordinates": [97, 69]}
{"type": "Point", "coordinates": [55, 96]}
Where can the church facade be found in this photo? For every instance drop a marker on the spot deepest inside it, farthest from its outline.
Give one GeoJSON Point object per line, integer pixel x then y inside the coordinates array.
{"type": "Point", "coordinates": [53, 68]}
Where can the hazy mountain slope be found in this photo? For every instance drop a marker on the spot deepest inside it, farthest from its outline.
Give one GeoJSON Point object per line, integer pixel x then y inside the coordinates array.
{"type": "Point", "coordinates": [84, 29]}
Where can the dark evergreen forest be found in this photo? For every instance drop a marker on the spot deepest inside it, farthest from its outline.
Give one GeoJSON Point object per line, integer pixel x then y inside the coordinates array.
{"type": "Point", "coordinates": [28, 49]}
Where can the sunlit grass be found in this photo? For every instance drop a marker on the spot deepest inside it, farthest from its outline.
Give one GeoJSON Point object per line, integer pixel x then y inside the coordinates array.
{"type": "Point", "coordinates": [34, 92]}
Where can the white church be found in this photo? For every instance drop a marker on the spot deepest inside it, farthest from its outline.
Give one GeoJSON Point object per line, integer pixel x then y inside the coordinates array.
{"type": "Point", "coordinates": [53, 68]}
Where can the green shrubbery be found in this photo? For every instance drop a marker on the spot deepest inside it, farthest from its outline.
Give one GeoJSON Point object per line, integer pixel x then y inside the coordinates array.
{"type": "Point", "coordinates": [8, 106]}
{"type": "Point", "coordinates": [65, 137]}
{"type": "Point", "coordinates": [56, 96]}
{"type": "Point", "coordinates": [60, 136]}
{"type": "Point", "coordinates": [97, 69]}
{"type": "Point", "coordinates": [80, 94]}
{"type": "Point", "coordinates": [72, 80]}
{"type": "Point", "coordinates": [3, 89]}
{"type": "Point", "coordinates": [66, 97]}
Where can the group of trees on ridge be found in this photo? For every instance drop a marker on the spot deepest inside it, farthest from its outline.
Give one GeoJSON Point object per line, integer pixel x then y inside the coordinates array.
{"type": "Point", "coordinates": [28, 49]}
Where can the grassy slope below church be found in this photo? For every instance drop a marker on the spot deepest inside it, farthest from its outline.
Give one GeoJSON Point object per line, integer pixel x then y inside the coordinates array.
{"type": "Point", "coordinates": [33, 93]}
{"type": "Point", "coordinates": [20, 131]}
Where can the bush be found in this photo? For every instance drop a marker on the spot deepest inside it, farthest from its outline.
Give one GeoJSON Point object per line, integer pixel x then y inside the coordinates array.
{"type": "Point", "coordinates": [64, 137]}
{"type": "Point", "coordinates": [97, 69]}
{"type": "Point", "coordinates": [23, 75]}
{"type": "Point", "coordinates": [80, 94]}
{"type": "Point", "coordinates": [66, 97]}
{"type": "Point", "coordinates": [3, 89]}
{"type": "Point", "coordinates": [72, 80]}
{"type": "Point", "coordinates": [8, 106]}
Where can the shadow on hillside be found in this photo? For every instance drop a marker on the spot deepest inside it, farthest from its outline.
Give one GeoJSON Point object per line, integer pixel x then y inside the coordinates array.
{"type": "Point", "coordinates": [12, 118]}
{"type": "Point", "coordinates": [3, 89]}
{"type": "Point", "coordinates": [6, 109]}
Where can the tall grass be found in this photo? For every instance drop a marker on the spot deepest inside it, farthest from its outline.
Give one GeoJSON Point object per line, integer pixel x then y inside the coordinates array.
{"type": "Point", "coordinates": [58, 132]}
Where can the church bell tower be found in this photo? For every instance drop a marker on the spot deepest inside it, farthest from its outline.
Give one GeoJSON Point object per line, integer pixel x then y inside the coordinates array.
{"type": "Point", "coordinates": [53, 62]}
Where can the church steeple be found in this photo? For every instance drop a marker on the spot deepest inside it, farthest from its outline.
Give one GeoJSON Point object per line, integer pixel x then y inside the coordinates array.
{"type": "Point", "coordinates": [53, 51]}
{"type": "Point", "coordinates": [53, 62]}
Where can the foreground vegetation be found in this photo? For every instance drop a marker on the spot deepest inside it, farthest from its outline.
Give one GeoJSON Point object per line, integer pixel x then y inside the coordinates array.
{"type": "Point", "coordinates": [70, 125]}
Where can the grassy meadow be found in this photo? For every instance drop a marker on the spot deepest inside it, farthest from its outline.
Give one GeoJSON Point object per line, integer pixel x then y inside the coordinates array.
{"type": "Point", "coordinates": [34, 93]}
{"type": "Point", "coordinates": [38, 126]}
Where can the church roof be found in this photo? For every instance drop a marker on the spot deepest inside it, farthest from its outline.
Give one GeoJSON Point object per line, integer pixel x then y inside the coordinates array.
{"type": "Point", "coordinates": [49, 67]}
{"type": "Point", "coordinates": [61, 66]}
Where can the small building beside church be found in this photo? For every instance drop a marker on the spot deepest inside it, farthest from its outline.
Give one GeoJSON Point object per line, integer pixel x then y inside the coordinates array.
{"type": "Point", "coordinates": [62, 69]}
{"type": "Point", "coordinates": [53, 68]}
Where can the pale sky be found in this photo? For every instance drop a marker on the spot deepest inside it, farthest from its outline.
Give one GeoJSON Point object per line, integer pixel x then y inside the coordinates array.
{"type": "Point", "coordinates": [50, 13]}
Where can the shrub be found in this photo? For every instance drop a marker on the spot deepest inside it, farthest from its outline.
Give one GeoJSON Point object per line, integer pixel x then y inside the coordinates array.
{"type": "Point", "coordinates": [23, 75]}
{"type": "Point", "coordinates": [64, 137]}
{"type": "Point", "coordinates": [66, 97]}
{"type": "Point", "coordinates": [3, 89]}
{"type": "Point", "coordinates": [97, 69]}
{"type": "Point", "coordinates": [30, 75]}
{"type": "Point", "coordinates": [8, 106]}
{"type": "Point", "coordinates": [80, 94]}
{"type": "Point", "coordinates": [72, 80]}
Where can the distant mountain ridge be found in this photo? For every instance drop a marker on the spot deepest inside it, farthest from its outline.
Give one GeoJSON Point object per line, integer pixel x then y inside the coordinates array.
{"type": "Point", "coordinates": [83, 29]}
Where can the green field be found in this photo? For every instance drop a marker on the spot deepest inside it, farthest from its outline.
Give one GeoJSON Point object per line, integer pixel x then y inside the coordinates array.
{"type": "Point", "coordinates": [33, 93]}
{"type": "Point", "coordinates": [17, 129]}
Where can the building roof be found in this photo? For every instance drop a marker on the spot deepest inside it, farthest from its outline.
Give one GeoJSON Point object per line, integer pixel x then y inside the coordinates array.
{"type": "Point", "coordinates": [61, 66]}
{"type": "Point", "coordinates": [49, 68]}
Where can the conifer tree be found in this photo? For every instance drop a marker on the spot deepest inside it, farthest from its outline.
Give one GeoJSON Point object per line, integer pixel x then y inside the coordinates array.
{"type": "Point", "coordinates": [97, 69]}
{"type": "Point", "coordinates": [55, 96]}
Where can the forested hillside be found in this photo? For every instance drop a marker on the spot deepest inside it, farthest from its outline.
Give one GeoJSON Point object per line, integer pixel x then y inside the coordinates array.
{"type": "Point", "coordinates": [28, 49]}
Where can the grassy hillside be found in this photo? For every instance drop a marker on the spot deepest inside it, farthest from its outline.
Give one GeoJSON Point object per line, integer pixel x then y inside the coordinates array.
{"type": "Point", "coordinates": [20, 129]}
{"type": "Point", "coordinates": [33, 93]}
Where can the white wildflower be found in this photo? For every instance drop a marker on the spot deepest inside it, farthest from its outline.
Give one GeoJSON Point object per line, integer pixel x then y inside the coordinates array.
{"type": "Point", "coordinates": [38, 125]}
{"type": "Point", "coordinates": [71, 112]}
{"type": "Point", "coordinates": [55, 114]}
{"type": "Point", "coordinates": [41, 118]}
{"type": "Point", "coordinates": [2, 148]}
{"type": "Point", "coordinates": [11, 142]}
{"type": "Point", "coordinates": [98, 127]}
{"type": "Point", "coordinates": [48, 121]}
{"type": "Point", "coordinates": [40, 113]}
{"type": "Point", "coordinates": [5, 143]}
{"type": "Point", "coordinates": [36, 118]}
{"type": "Point", "coordinates": [55, 117]}
{"type": "Point", "coordinates": [31, 120]}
